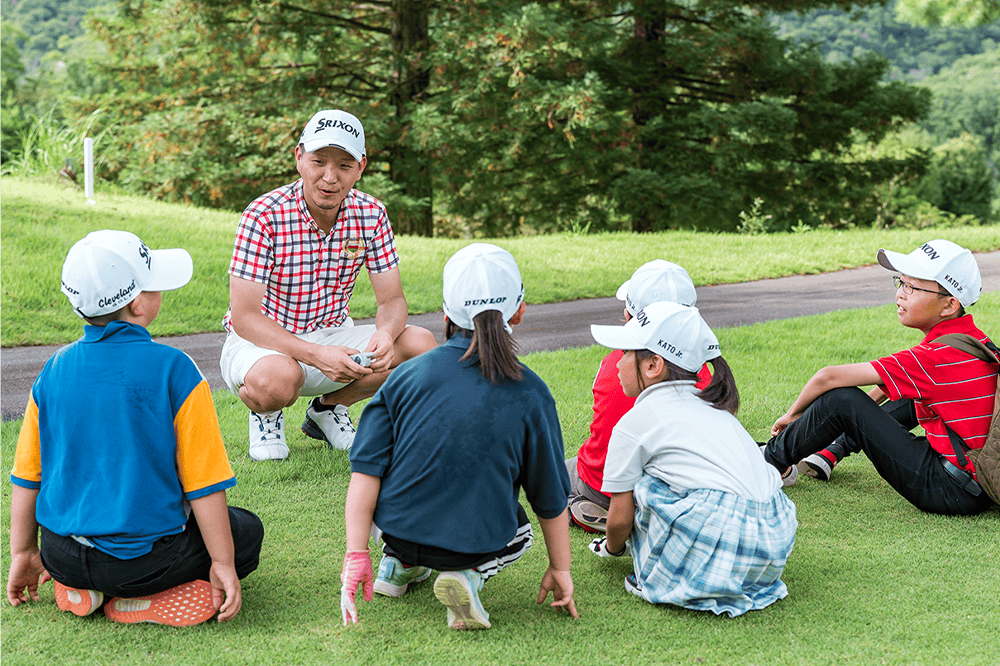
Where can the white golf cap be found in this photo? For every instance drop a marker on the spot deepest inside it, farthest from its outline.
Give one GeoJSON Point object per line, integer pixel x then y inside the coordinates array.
{"type": "Point", "coordinates": [336, 128]}
{"type": "Point", "coordinates": [481, 277]}
{"type": "Point", "coordinates": [676, 332]}
{"type": "Point", "coordinates": [657, 280]}
{"type": "Point", "coordinates": [107, 269]}
{"type": "Point", "coordinates": [950, 265]}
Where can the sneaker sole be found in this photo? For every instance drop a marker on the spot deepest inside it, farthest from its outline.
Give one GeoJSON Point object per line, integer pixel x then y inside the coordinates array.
{"type": "Point", "coordinates": [76, 601]}
{"type": "Point", "coordinates": [453, 593]}
{"type": "Point", "coordinates": [815, 471]}
{"type": "Point", "coordinates": [182, 606]}
{"type": "Point", "coordinates": [587, 521]}
{"type": "Point", "coordinates": [310, 429]}
{"type": "Point", "coordinates": [387, 589]}
{"type": "Point", "coordinates": [632, 587]}
{"type": "Point", "coordinates": [268, 456]}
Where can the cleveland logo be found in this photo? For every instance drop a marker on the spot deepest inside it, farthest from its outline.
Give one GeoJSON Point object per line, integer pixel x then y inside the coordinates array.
{"type": "Point", "coordinates": [336, 124]}
{"type": "Point", "coordinates": [118, 298]}
{"type": "Point", "coordinates": [485, 301]}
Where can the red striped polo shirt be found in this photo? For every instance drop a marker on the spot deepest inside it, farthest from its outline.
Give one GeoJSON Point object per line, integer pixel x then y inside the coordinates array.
{"type": "Point", "coordinates": [946, 385]}
{"type": "Point", "coordinates": [310, 275]}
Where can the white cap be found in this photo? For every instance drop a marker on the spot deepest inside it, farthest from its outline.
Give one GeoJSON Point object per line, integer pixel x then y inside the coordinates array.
{"type": "Point", "coordinates": [675, 332]}
{"type": "Point", "coordinates": [657, 280]}
{"type": "Point", "coordinates": [950, 265]}
{"type": "Point", "coordinates": [336, 128]}
{"type": "Point", "coordinates": [107, 269]}
{"type": "Point", "coordinates": [481, 277]}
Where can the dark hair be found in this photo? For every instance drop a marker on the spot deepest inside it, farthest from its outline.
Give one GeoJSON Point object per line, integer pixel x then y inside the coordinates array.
{"type": "Point", "coordinates": [105, 319]}
{"type": "Point", "coordinates": [496, 348]}
{"type": "Point", "coordinates": [721, 392]}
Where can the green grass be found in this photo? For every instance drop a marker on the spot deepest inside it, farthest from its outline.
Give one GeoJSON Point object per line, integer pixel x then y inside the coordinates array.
{"type": "Point", "coordinates": [41, 221]}
{"type": "Point", "coordinates": [871, 580]}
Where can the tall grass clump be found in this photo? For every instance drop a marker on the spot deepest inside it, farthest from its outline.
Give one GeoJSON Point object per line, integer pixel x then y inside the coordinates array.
{"type": "Point", "coordinates": [50, 148]}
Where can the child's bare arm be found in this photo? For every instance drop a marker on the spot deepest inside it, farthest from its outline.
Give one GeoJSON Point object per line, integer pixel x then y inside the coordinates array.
{"type": "Point", "coordinates": [557, 579]}
{"type": "Point", "coordinates": [359, 509]}
{"type": "Point", "coordinates": [212, 514]}
{"type": "Point", "coordinates": [830, 377]}
{"type": "Point", "coordinates": [26, 570]}
{"type": "Point", "coordinates": [620, 516]}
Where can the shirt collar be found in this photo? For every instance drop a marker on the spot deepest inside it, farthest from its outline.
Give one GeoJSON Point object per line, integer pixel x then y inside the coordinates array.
{"type": "Point", "coordinates": [958, 325]}
{"type": "Point", "coordinates": [680, 386]}
{"type": "Point", "coordinates": [116, 331]}
{"type": "Point", "coordinates": [459, 340]}
{"type": "Point", "coordinates": [307, 217]}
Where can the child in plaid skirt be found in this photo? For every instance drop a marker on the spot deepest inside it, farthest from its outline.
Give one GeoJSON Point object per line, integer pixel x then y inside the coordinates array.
{"type": "Point", "coordinates": [703, 514]}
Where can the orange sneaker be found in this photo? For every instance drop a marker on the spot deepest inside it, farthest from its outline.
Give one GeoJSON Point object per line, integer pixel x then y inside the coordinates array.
{"type": "Point", "coordinates": [77, 601]}
{"type": "Point", "coordinates": [182, 606]}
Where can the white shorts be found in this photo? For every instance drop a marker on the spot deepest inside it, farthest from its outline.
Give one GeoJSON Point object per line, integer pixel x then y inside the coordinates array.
{"type": "Point", "coordinates": [238, 356]}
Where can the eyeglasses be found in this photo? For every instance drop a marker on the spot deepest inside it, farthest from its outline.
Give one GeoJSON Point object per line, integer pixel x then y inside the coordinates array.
{"type": "Point", "coordinates": [909, 288]}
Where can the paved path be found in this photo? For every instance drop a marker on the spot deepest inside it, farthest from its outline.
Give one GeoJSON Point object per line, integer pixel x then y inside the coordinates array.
{"type": "Point", "coordinates": [562, 325]}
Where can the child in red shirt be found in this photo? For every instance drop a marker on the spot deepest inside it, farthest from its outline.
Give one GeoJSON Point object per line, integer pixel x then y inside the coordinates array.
{"type": "Point", "coordinates": [940, 386]}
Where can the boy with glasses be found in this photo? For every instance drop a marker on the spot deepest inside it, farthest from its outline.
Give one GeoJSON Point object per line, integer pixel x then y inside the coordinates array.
{"type": "Point", "coordinates": [946, 391]}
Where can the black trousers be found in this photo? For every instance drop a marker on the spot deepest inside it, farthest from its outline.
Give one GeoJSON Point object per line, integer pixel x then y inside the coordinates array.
{"type": "Point", "coordinates": [901, 410]}
{"type": "Point", "coordinates": [442, 559]}
{"type": "Point", "coordinates": [906, 461]}
{"type": "Point", "coordinates": [174, 560]}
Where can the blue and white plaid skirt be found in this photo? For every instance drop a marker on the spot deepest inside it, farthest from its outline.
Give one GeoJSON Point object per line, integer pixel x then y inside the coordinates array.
{"type": "Point", "coordinates": [710, 550]}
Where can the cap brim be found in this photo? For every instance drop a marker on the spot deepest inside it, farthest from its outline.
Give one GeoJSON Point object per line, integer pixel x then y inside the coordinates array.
{"type": "Point", "coordinates": [614, 337]}
{"type": "Point", "coordinates": [903, 263]}
{"type": "Point", "coordinates": [318, 144]}
{"type": "Point", "coordinates": [622, 292]}
{"type": "Point", "coordinates": [172, 269]}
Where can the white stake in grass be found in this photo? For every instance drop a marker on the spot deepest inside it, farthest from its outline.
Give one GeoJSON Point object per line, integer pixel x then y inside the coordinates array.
{"type": "Point", "coordinates": [88, 169]}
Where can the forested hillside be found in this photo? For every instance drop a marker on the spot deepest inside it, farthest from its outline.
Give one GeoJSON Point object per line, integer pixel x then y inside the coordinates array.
{"type": "Point", "coordinates": [48, 26]}
{"type": "Point", "coordinates": [914, 52]}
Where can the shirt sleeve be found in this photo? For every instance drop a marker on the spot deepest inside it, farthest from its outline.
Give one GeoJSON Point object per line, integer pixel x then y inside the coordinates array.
{"type": "Point", "coordinates": [202, 464]}
{"type": "Point", "coordinates": [253, 250]}
{"type": "Point", "coordinates": [373, 444]}
{"type": "Point", "coordinates": [626, 459]}
{"type": "Point", "coordinates": [546, 483]}
{"type": "Point", "coordinates": [382, 255]}
{"type": "Point", "coordinates": [27, 470]}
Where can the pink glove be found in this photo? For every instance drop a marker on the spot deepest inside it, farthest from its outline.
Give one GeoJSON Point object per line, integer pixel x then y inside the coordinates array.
{"type": "Point", "coordinates": [357, 570]}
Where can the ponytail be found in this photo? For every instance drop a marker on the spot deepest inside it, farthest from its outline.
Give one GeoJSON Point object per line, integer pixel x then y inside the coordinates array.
{"type": "Point", "coordinates": [721, 391]}
{"type": "Point", "coordinates": [496, 348]}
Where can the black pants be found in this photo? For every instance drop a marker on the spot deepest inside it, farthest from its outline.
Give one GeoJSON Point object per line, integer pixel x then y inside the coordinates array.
{"type": "Point", "coordinates": [174, 560]}
{"type": "Point", "coordinates": [441, 559]}
{"type": "Point", "coordinates": [900, 410]}
{"type": "Point", "coordinates": [907, 462]}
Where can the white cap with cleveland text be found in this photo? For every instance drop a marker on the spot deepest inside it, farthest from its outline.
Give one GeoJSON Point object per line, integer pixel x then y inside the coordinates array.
{"type": "Point", "coordinates": [107, 269]}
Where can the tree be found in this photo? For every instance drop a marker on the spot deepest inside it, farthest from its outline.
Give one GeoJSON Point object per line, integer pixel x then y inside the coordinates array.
{"type": "Point", "coordinates": [949, 12]}
{"type": "Point", "coordinates": [214, 94]}
{"type": "Point", "coordinates": [725, 111]}
{"type": "Point", "coordinates": [651, 115]}
{"type": "Point", "coordinates": [13, 120]}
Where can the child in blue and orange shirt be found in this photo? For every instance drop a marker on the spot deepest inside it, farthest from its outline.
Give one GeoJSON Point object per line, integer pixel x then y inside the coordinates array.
{"type": "Point", "coordinates": [120, 463]}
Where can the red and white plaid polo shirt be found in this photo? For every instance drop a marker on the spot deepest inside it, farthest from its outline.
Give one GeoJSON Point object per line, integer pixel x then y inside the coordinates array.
{"type": "Point", "coordinates": [946, 385]}
{"type": "Point", "coordinates": [309, 276]}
